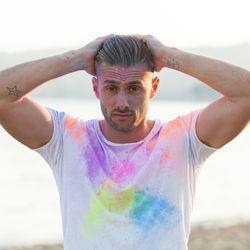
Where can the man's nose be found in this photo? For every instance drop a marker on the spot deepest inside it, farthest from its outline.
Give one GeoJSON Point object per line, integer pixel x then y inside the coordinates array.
{"type": "Point", "coordinates": [122, 101]}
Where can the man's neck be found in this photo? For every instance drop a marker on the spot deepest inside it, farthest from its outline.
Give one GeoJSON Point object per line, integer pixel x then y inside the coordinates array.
{"type": "Point", "coordinates": [135, 135]}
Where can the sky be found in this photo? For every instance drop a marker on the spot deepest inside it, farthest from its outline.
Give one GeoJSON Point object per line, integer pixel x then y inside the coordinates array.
{"type": "Point", "coordinates": [34, 24]}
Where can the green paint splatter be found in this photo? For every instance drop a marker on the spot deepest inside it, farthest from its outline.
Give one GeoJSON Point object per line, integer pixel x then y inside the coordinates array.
{"type": "Point", "coordinates": [106, 199]}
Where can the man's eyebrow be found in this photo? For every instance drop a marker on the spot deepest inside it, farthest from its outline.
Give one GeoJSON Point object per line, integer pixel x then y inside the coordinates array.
{"type": "Point", "coordinates": [111, 81]}
{"type": "Point", "coordinates": [117, 82]}
{"type": "Point", "coordinates": [134, 82]}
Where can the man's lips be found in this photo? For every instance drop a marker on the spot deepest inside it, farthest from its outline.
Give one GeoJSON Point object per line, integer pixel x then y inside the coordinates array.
{"type": "Point", "coordinates": [122, 114]}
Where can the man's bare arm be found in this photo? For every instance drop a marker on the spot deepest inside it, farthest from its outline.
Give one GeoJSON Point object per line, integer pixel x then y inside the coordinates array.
{"type": "Point", "coordinates": [225, 118]}
{"type": "Point", "coordinates": [25, 119]}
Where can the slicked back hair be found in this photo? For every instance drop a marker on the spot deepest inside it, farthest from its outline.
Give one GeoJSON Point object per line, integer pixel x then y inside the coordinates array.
{"type": "Point", "coordinates": [125, 50]}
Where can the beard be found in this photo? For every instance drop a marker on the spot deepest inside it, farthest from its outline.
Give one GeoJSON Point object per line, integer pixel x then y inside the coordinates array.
{"type": "Point", "coordinates": [119, 126]}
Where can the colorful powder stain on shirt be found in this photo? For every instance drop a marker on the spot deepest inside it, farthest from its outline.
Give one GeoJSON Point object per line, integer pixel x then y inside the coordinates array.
{"type": "Point", "coordinates": [122, 173]}
{"type": "Point", "coordinates": [107, 199]}
{"type": "Point", "coordinates": [73, 127]}
{"type": "Point", "coordinates": [113, 199]}
{"type": "Point", "coordinates": [142, 209]}
{"type": "Point", "coordinates": [148, 210]}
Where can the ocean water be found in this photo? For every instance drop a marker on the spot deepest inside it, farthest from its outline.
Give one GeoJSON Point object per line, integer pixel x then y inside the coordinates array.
{"type": "Point", "coordinates": [29, 203]}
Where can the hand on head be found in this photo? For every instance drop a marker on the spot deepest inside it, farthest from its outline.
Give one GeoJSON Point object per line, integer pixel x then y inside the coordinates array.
{"type": "Point", "coordinates": [157, 48]}
{"type": "Point", "coordinates": [90, 50]}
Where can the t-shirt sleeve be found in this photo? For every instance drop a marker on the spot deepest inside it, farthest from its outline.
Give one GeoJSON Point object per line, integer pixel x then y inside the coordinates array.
{"type": "Point", "coordinates": [52, 151]}
{"type": "Point", "coordinates": [199, 151]}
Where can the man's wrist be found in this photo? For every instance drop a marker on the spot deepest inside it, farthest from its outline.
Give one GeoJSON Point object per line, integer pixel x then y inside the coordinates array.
{"type": "Point", "coordinates": [172, 58]}
{"type": "Point", "coordinates": [75, 60]}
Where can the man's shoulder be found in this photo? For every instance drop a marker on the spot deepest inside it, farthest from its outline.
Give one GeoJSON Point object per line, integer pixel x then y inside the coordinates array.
{"type": "Point", "coordinates": [183, 121]}
{"type": "Point", "coordinates": [71, 122]}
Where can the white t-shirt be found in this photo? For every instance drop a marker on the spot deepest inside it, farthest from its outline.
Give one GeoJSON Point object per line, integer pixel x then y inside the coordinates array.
{"type": "Point", "coordinates": [132, 196]}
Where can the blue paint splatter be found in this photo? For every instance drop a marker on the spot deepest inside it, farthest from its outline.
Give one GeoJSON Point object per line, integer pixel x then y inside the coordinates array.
{"type": "Point", "coordinates": [148, 210]}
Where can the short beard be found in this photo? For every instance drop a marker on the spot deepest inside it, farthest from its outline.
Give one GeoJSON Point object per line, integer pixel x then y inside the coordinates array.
{"type": "Point", "coordinates": [113, 124]}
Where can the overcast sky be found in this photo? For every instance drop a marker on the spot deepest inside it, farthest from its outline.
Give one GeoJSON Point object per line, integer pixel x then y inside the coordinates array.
{"type": "Point", "coordinates": [34, 24]}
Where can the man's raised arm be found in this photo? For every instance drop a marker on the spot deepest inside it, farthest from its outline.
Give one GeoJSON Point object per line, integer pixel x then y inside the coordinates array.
{"type": "Point", "coordinates": [23, 118]}
{"type": "Point", "coordinates": [226, 117]}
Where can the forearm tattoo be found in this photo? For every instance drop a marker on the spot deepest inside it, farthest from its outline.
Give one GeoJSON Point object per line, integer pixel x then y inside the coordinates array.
{"type": "Point", "coordinates": [14, 91]}
{"type": "Point", "coordinates": [172, 63]}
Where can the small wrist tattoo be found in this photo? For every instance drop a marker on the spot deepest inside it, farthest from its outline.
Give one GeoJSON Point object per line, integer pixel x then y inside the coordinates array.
{"type": "Point", "coordinates": [14, 91]}
{"type": "Point", "coordinates": [172, 63]}
{"type": "Point", "coordinates": [69, 55]}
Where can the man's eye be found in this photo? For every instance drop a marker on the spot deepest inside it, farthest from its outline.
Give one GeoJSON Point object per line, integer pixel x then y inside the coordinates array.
{"type": "Point", "coordinates": [111, 88]}
{"type": "Point", "coordinates": [133, 89]}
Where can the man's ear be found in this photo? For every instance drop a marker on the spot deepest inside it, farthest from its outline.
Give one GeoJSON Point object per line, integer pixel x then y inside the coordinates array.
{"type": "Point", "coordinates": [95, 86]}
{"type": "Point", "coordinates": [155, 83]}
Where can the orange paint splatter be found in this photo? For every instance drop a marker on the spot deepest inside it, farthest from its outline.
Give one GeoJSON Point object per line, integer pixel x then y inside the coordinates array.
{"type": "Point", "coordinates": [74, 127]}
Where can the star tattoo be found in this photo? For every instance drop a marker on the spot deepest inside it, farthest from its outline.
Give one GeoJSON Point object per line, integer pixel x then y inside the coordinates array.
{"type": "Point", "coordinates": [14, 91]}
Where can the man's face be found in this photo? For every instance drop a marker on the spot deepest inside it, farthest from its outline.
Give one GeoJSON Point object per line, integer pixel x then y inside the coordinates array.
{"type": "Point", "coordinates": [124, 94]}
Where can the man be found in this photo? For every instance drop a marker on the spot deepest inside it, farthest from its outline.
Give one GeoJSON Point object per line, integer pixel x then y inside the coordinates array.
{"type": "Point", "coordinates": [125, 182]}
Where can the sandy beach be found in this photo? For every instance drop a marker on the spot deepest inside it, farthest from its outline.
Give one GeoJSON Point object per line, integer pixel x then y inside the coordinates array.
{"type": "Point", "coordinates": [233, 237]}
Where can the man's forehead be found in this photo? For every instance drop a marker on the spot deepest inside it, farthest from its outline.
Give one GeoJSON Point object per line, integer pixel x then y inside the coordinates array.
{"type": "Point", "coordinates": [123, 71]}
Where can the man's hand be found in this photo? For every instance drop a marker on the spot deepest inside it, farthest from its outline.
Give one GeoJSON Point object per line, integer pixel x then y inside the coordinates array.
{"type": "Point", "coordinates": [89, 52]}
{"type": "Point", "coordinates": [158, 50]}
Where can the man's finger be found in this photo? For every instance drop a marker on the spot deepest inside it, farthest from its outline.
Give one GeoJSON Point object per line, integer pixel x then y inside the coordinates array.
{"type": "Point", "coordinates": [141, 37]}
{"type": "Point", "coordinates": [104, 38]}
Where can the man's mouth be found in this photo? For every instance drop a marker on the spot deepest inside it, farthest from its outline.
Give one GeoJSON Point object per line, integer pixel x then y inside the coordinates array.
{"type": "Point", "coordinates": [122, 114]}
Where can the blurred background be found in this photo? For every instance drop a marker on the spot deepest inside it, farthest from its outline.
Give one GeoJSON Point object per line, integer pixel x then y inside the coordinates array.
{"type": "Point", "coordinates": [30, 30]}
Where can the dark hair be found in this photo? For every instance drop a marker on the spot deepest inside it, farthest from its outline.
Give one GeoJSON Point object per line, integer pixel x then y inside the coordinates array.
{"type": "Point", "coordinates": [125, 50]}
